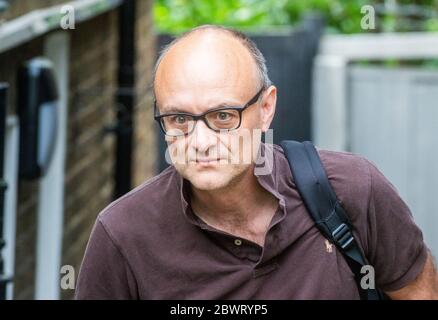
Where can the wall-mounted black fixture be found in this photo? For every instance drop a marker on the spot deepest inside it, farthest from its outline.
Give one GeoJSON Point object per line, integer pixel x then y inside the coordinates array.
{"type": "Point", "coordinates": [4, 280]}
{"type": "Point", "coordinates": [37, 100]}
{"type": "Point", "coordinates": [4, 5]}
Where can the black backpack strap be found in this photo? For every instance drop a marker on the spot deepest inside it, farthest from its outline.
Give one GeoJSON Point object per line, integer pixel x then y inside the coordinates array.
{"type": "Point", "coordinates": [322, 203]}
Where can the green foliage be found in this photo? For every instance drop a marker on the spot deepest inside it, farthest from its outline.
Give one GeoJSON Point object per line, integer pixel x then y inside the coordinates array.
{"type": "Point", "coordinates": [175, 16]}
{"type": "Point", "coordinates": [342, 16]}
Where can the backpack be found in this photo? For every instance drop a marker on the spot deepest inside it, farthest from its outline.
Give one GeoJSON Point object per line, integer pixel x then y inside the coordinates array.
{"type": "Point", "coordinates": [325, 209]}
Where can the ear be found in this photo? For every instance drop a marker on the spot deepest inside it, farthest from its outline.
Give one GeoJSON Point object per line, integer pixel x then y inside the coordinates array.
{"type": "Point", "coordinates": [267, 109]}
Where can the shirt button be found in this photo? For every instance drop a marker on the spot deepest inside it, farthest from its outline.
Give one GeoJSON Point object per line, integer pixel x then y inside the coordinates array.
{"type": "Point", "coordinates": [237, 242]}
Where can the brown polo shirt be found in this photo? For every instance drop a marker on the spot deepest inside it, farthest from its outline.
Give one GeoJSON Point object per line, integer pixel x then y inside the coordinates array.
{"type": "Point", "coordinates": [149, 244]}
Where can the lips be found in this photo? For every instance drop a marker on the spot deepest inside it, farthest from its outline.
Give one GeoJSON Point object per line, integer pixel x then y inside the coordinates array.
{"type": "Point", "coordinates": [207, 160]}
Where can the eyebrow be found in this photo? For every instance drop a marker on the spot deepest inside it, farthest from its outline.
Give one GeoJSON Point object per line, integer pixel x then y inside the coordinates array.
{"type": "Point", "coordinates": [172, 109]}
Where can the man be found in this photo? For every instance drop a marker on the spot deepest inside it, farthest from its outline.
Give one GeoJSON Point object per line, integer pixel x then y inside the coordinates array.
{"type": "Point", "coordinates": [214, 227]}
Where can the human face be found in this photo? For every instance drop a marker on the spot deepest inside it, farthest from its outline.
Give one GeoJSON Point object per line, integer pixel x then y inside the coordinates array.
{"type": "Point", "coordinates": [198, 76]}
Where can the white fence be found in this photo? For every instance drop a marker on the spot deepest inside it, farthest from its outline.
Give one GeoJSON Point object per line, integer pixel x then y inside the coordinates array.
{"type": "Point", "coordinates": [389, 116]}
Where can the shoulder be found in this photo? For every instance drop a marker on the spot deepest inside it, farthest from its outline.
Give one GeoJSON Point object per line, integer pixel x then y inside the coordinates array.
{"type": "Point", "coordinates": [143, 207]}
{"type": "Point", "coordinates": [353, 179]}
{"type": "Point", "coordinates": [147, 192]}
{"type": "Point", "coordinates": [349, 175]}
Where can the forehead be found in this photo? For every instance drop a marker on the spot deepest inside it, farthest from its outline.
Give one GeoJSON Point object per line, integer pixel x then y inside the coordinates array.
{"type": "Point", "coordinates": [204, 72]}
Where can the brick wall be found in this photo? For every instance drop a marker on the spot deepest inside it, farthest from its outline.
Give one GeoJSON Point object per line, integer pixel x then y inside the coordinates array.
{"type": "Point", "coordinates": [145, 154]}
{"type": "Point", "coordinates": [90, 151]}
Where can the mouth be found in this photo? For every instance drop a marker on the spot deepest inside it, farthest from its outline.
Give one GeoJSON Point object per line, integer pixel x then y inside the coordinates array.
{"type": "Point", "coordinates": [206, 162]}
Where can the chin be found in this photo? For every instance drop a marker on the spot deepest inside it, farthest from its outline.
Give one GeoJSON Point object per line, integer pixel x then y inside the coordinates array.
{"type": "Point", "coordinates": [210, 179]}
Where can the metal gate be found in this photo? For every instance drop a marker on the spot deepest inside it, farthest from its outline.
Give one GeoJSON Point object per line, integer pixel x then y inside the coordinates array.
{"type": "Point", "coordinates": [394, 123]}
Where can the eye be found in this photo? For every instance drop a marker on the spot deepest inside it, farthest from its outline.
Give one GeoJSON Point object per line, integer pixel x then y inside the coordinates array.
{"type": "Point", "coordinates": [179, 119]}
{"type": "Point", "coordinates": [223, 116]}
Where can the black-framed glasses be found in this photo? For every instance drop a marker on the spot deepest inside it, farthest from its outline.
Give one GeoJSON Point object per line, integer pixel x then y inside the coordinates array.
{"type": "Point", "coordinates": [219, 119]}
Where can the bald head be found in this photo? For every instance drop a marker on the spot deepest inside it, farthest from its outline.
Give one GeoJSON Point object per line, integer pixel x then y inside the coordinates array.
{"type": "Point", "coordinates": [210, 56]}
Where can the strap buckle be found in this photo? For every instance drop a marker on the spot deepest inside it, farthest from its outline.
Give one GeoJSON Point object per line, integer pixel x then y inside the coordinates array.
{"type": "Point", "coordinates": [343, 236]}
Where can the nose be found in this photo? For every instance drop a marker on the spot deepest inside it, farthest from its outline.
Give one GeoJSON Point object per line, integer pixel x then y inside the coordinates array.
{"type": "Point", "coordinates": [202, 138]}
